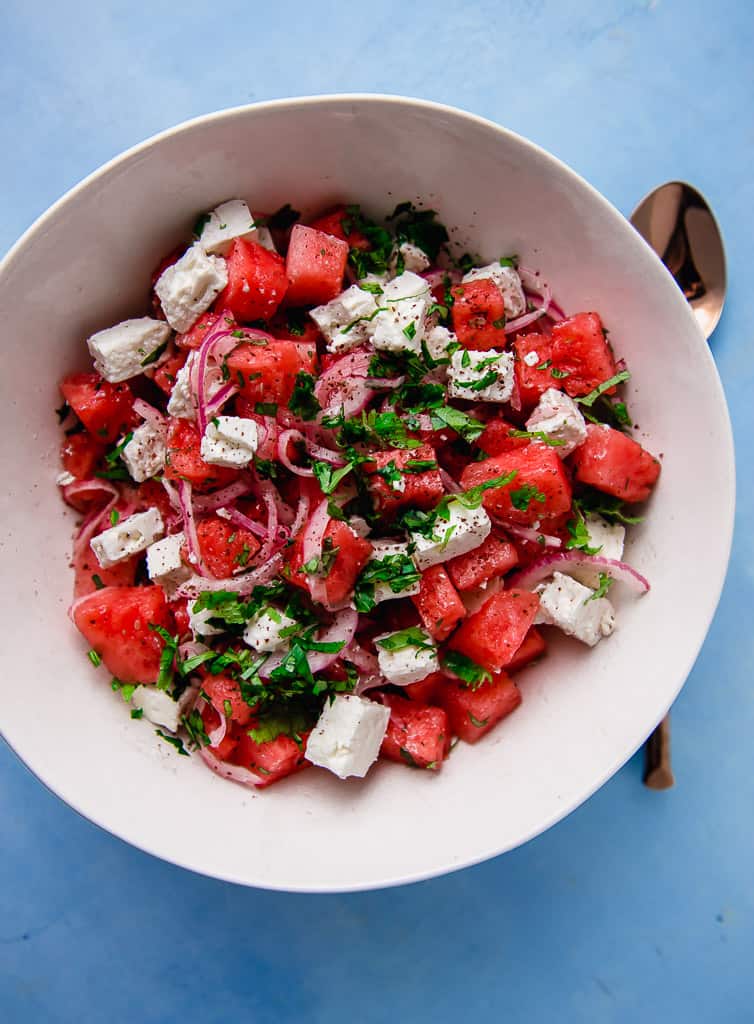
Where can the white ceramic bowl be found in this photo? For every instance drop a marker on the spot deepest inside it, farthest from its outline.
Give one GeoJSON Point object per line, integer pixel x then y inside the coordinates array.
{"type": "Point", "coordinates": [86, 264]}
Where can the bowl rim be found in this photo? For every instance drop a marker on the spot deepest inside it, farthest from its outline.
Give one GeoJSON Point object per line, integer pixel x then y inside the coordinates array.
{"type": "Point", "coordinates": [121, 160]}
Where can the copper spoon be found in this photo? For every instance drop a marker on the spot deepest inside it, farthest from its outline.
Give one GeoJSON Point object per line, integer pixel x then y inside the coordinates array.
{"type": "Point", "coordinates": [676, 220]}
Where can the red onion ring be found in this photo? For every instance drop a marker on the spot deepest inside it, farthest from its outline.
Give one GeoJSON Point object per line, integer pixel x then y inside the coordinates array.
{"type": "Point", "coordinates": [214, 405]}
{"type": "Point", "coordinates": [312, 549]}
{"type": "Point", "coordinates": [189, 527]}
{"type": "Point", "coordinates": [301, 513]}
{"type": "Point", "coordinates": [92, 485]}
{"type": "Point", "coordinates": [206, 503]}
{"type": "Point", "coordinates": [284, 438]}
{"type": "Point", "coordinates": [526, 533]}
{"type": "Point", "coordinates": [449, 483]}
{"type": "Point", "coordinates": [148, 413]}
{"type": "Point", "coordinates": [199, 362]}
{"type": "Point", "coordinates": [273, 540]}
{"type": "Point", "coordinates": [567, 560]}
{"type": "Point", "coordinates": [531, 280]}
{"type": "Point", "coordinates": [234, 772]}
{"type": "Point", "coordinates": [368, 666]}
{"type": "Point", "coordinates": [344, 386]}
{"type": "Point", "coordinates": [241, 585]}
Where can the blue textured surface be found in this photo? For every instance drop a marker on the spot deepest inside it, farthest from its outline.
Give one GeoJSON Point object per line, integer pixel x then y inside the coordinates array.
{"type": "Point", "coordinates": [639, 903]}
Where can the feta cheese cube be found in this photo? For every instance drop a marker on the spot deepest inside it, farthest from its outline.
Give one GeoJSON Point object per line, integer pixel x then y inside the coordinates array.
{"type": "Point", "coordinates": [608, 538]}
{"type": "Point", "coordinates": [263, 237]}
{"type": "Point", "coordinates": [409, 663]}
{"type": "Point", "coordinates": [144, 455]}
{"type": "Point", "coordinates": [399, 326]}
{"type": "Point", "coordinates": [340, 320]}
{"type": "Point", "coordinates": [462, 531]}
{"type": "Point", "coordinates": [572, 607]}
{"type": "Point", "coordinates": [531, 358]}
{"type": "Point", "coordinates": [164, 564]}
{"type": "Point", "coordinates": [382, 549]}
{"type": "Point", "coordinates": [181, 401]}
{"type": "Point", "coordinates": [226, 223]}
{"type": "Point", "coordinates": [558, 416]}
{"type": "Point", "coordinates": [190, 286]}
{"type": "Point", "coordinates": [120, 352]}
{"type": "Point", "coordinates": [127, 537]}
{"type": "Point", "coordinates": [347, 737]}
{"type": "Point", "coordinates": [265, 632]}
{"type": "Point", "coordinates": [437, 341]}
{"type": "Point", "coordinates": [484, 376]}
{"type": "Point", "coordinates": [161, 708]}
{"type": "Point", "coordinates": [229, 441]}
{"type": "Point", "coordinates": [414, 258]}
{"type": "Point", "coordinates": [199, 621]}
{"type": "Point", "coordinates": [509, 283]}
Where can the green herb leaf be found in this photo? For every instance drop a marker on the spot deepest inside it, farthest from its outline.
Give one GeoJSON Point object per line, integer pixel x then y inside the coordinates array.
{"type": "Point", "coordinates": [591, 398]}
{"type": "Point", "coordinates": [466, 426]}
{"type": "Point", "coordinates": [468, 671]}
{"type": "Point", "coordinates": [397, 571]}
{"type": "Point", "coordinates": [522, 497]}
{"type": "Point", "coordinates": [605, 582]}
{"type": "Point", "coordinates": [154, 355]}
{"type": "Point", "coordinates": [303, 402]}
{"type": "Point", "coordinates": [411, 637]}
{"type": "Point", "coordinates": [174, 741]}
{"type": "Point", "coordinates": [95, 659]}
{"type": "Point", "coordinates": [478, 723]}
{"type": "Point", "coordinates": [328, 476]}
{"type": "Point", "coordinates": [538, 435]}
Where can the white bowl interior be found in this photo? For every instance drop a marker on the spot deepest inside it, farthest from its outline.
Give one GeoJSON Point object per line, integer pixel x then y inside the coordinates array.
{"type": "Point", "coordinates": [87, 263]}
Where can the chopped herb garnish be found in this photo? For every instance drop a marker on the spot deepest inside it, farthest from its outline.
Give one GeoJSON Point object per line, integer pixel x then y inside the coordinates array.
{"type": "Point", "coordinates": [167, 656]}
{"type": "Point", "coordinates": [466, 426]}
{"type": "Point", "coordinates": [605, 582]}
{"type": "Point", "coordinates": [545, 365]}
{"type": "Point", "coordinates": [579, 539]}
{"type": "Point", "coordinates": [478, 723]}
{"type": "Point", "coordinates": [154, 355]}
{"type": "Point", "coordinates": [114, 517]}
{"type": "Point", "coordinates": [303, 402]}
{"type": "Point", "coordinates": [489, 378]}
{"type": "Point", "coordinates": [411, 637]}
{"type": "Point", "coordinates": [371, 286]}
{"type": "Point", "coordinates": [94, 658]}
{"type": "Point", "coordinates": [97, 581]}
{"type": "Point", "coordinates": [201, 222]}
{"type": "Point", "coordinates": [296, 320]}
{"type": "Point", "coordinates": [328, 476]}
{"type": "Point", "coordinates": [410, 330]}
{"type": "Point", "coordinates": [194, 726]}
{"type": "Point", "coordinates": [604, 505]}
{"type": "Point", "coordinates": [266, 408]}
{"type": "Point", "coordinates": [321, 566]}
{"type": "Point", "coordinates": [559, 374]}
{"type": "Point", "coordinates": [508, 261]}
{"type": "Point", "coordinates": [538, 435]}
{"type": "Point", "coordinates": [522, 497]}
{"type": "Point", "coordinates": [591, 398]}
{"type": "Point", "coordinates": [397, 571]}
{"type": "Point", "coordinates": [174, 741]}
{"type": "Point", "coordinates": [468, 671]}
{"type": "Point", "coordinates": [137, 712]}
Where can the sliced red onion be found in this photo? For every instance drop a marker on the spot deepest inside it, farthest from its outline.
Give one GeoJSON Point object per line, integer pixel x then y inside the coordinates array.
{"type": "Point", "coordinates": [92, 487]}
{"type": "Point", "coordinates": [172, 493]}
{"type": "Point", "coordinates": [217, 343]}
{"type": "Point", "coordinates": [301, 514]}
{"type": "Point", "coordinates": [567, 561]}
{"type": "Point", "coordinates": [532, 281]}
{"type": "Point", "coordinates": [436, 275]}
{"type": "Point", "coordinates": [449, 483]}
{"type": "Point", "coordinates": [94, 520]}
{"type": "Point", "coordinates": [526, 533]}
{"type": "Point", "coordinates": [148, 413]}
{"type": "Point", "coordinates": [368, 666]}
{"type": "Point", "coordinates": [206, 503]}
{"type": "Point", "coordinates": [239, 519]}
{"type": "Point", "coordinates": [215, 404]}
{"type": "Point", "coordinates": [384, 382]}
{"type": "Point", "coordinates": [312, 549]}
{"type": "Point", "coordinates": [189, 527]}
{"type": "Point", "coordinates": [343, 386]}
{"type": "Point", "coordinates": [283, 441]}
{"type": "Point", "coordinates": [234, 772]}
{"type": "Point", "coordinates": [556, 311]}
{"type": "Point", "coordinates": [272, 540]}
{"type": "Point", "coordinates": [241, 585]}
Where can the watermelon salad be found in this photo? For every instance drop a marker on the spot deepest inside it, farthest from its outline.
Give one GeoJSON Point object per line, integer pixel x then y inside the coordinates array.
{"type": "Point", "coordinates": [337, 487]}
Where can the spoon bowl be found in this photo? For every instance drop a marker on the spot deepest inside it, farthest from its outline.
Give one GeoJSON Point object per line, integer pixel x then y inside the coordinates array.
{"type": "Point", "coordinates": [676, 220]}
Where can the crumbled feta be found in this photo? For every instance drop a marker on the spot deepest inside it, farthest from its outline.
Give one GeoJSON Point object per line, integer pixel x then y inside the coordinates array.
{"type": "Point", "coordinates": [347, 737]}
{"type": "Point", "coordinates": [399, 326]}
{"type": "Point", "coordinates": [382, 549]}
{"type": "Point", "coordinates": [437, 341]}
{"type": "Point", "coordinates": [144, 455]}
{"type": "Point", "coordinates": [509, 283]}
{"type": "Point", "coordinates": [181, 401]}
{"type": "Point", "coordinates": [558, 416]}
{"type": "Point", "coordinates": [340, 320]}
{"type": "Point", "coordinates": [360, 526]}
{"type": "Point", "coordinates": [531, 358]}
{"type": "Point", "coordinates": [266, 631]}
{"type": "Point", "coordinates": [407, 664]}
{"type": "Point", "coordinates": [65, 478]}
{"type": "Point", "coordinates": [463, 530]}
{"type": "Point", "coordinates": [226, 223]}
{"type": "Point", "coordinates": [572, 607]}
{"type": "Point", "coordinates": [164, 563]}
{"type": "Point", "coordinates": [263, 237]}
{"type": "Point", "coordinates": [468, 370]}
{"type": "Point", "coordinates": [608, 538]}
{"type": "Point", "coordinates": [127, 537]}
{"type": "Point", "coordinates": [190, 286]}
{"type": "Point", "coordinates": [122, 351]}
{"type": "Point", "coordinates": [161, 708]}
{"type": "Point", "coordinates": [414, 258]}
{"type": "Point", "coordinates": [229, 441]}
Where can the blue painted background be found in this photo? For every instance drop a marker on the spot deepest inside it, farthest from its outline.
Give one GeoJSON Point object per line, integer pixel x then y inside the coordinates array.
{"type": "Point", "coordinates": [638, 905]}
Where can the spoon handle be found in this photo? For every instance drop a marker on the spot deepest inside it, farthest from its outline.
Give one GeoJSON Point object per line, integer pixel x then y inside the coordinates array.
{"type": "Point", "coordinates": [658, 773]}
